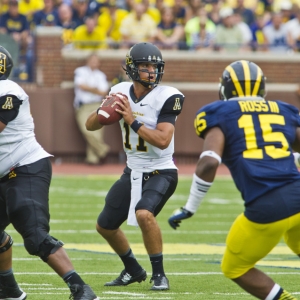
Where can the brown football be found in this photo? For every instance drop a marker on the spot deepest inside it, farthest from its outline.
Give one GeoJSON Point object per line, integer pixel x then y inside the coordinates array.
{"type": "Point", "coordinates": [106, 113]}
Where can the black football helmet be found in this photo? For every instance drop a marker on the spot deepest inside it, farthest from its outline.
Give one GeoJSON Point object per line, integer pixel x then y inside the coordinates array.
{"type": "Point", "coordinates": [141, 53]}
{"type": "Point", "coordinates": [6, 63]}
{"type": "Point", "coordinates": [242, 79]}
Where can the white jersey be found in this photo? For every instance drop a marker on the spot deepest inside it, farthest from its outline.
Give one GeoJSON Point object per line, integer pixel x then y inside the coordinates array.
{"type": "Point", "coordinates": [162, 104]}
{"type": "Point", "coordinates": [18, 145]}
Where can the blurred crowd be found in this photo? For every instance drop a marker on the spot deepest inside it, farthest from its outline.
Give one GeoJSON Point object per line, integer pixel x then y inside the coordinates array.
{"type": "Point", "coordinates": [194, 25]}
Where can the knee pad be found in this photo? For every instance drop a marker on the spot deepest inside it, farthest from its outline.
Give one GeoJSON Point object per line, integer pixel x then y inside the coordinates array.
{"type": "Point", "coordinates": [49, 246]}
{"type": "Point", "coordinates": [3, 237]}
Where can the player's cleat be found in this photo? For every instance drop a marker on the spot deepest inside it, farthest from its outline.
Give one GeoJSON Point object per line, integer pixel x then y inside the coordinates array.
{"type": "Point", "coordinates": [12, 293]}
{"type": "Point", "coordinates": [125, 278]}
{"type": "Point", "coordinates": [161, 283]}
{"type": "Point", "coordinates": [82, 292]}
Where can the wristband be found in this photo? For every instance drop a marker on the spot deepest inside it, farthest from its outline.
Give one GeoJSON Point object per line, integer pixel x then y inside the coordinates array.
{"type": "Point", "coordinates": [198, 190]}
{"type": "Point", "coordinates": [136, 125]}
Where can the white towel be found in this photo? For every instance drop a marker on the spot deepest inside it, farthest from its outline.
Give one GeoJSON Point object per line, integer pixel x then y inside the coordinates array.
{"type": "Point", "coordinates": [136, 195]}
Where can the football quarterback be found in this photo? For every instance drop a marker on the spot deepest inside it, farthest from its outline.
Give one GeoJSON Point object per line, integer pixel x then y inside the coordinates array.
{"type": "Point", "coordinates": [149, 112]}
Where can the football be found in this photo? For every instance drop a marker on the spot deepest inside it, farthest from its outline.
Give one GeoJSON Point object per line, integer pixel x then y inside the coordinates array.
{"type": "Point", "coordinates": [106, 112]}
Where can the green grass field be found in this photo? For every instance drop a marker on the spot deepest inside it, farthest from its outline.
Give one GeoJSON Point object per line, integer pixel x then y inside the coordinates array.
{"type": "Point", "coordinates": [192, 254]}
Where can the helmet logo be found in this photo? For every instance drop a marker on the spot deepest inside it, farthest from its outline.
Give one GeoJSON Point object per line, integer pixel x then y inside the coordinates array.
{"type": "Point", "coordinates": [2, 63]}
{"type": "Point", "coordinates": [128, 60]}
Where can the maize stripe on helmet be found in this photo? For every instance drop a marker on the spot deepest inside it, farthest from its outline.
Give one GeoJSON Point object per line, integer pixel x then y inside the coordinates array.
{"type": "Point", "coordinates": [242, 79]}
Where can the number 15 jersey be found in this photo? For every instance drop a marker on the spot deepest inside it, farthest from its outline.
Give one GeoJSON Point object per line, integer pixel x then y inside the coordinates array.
{"type": "Point", "coordinates": [258, 139]}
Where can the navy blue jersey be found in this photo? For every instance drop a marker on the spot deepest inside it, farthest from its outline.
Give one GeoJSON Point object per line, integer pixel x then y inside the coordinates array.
{"type": "Point", "coordinates": [46, 19]}
{"type": "Point", "coordinates": [258, 138]}
{"type": "Point", "coordinates": [13, 24]}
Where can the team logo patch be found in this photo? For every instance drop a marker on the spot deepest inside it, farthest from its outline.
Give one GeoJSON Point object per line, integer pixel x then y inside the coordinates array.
{"type": "Point", "coordinates": [8, 103]}
{"type": "Point", "coordinates": [177, 105]}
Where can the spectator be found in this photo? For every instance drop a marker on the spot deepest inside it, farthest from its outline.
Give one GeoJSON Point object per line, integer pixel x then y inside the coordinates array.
{"type": "Point", "coordinates": [276, 34]}
{"type": "Point", "coordinates": [200, 31]}
{"type": "Point", "coordinates": [80, 11]}
{"type": "Point", "coordinates": [3, 6]}
{"type": "Point", "coordinates": [169, 33]}
{"type": "Point", "coordinates": [192, 9]}
{"type": "Point", "coordinates": [213, 12]}
{"type": "Point", "coordinates": [247, 14]}
{"type": "Point", "coordinates": [249, 4]}
{"type": "Point", "coordinates": [89, 35]}
{"type": "Point", "coordinates": [152, 11]}
{"type": "Point", "coordinates": [179, 10]}
{"type": "Point", "coordinates": [90, 87]}
{"type": "Point", "coordinates": [137, 27]}
{"type": "Point", "coordinates": [17, 26]}
{"type": "Point", "coordinates": [293, 32]}
{"type": "Point", "coordinates": [65, 20]}
{"type": "Point", "coordinates": [286, 9]}
{"type": "Point", "coordinates": [258, 41]}
{"type": "Point", "coordinates": [246, 31]}
{"type": "Point", "coordinates": [29, 7]}
{"type": "Point", "coordinates": [48, 16]}
{"type": "Point", "coordinates": [228, 35]}
{"type": "Point", "coordinates": [110, 20]}
{"type": "Point", "coordinates": [265, 6]}
{"type": "Point", "coordinates": [96, 6]}
{"type": "Point", "coordinates": [160, 4]}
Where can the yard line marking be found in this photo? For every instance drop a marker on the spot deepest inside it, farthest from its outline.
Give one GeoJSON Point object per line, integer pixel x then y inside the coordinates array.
{"type": "Point", "coordinates": [104, 258]}
{"type": "Point", "coordinates": [170, 248]}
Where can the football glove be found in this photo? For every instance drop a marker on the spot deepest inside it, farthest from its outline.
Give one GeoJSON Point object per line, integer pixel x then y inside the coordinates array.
{"type": "Point", "coordinates": [178, 215]}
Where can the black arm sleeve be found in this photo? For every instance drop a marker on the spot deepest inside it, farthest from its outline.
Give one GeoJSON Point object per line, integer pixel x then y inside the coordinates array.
{"type": "Point", "coordinates": [9, 108]}
{"type": "Point", "coordinates": [171, 109]}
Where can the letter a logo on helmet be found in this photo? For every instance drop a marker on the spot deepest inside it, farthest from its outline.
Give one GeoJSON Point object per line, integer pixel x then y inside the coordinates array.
{"type": "Point", "coordinates": [6, 63]}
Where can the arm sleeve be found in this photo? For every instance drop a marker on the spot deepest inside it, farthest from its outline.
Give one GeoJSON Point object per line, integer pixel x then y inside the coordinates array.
{"type": "Point", "coordinates": [171, 109]}
{"type": "Point", "coordinates": [9, 108]}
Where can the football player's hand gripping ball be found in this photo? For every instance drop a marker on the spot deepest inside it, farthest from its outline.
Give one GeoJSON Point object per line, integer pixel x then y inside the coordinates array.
{"type": "Point", "coordinates": [177, 216]}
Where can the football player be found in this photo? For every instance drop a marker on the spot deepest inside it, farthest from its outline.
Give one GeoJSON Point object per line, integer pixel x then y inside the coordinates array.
{"type": "Point", "coordinates": [255, 139]}
{"type": "Point", "coordinates": [150, 177]}
{"type": "Point", "coordinates": [25, 175]}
